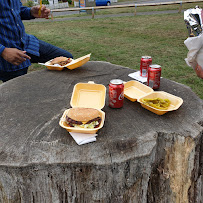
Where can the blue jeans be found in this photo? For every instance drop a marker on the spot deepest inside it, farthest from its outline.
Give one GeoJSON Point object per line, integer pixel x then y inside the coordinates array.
{"type": "Point", "coordinates": [5, 76]}
{"type": "Point", "coordinates": [47, 52]}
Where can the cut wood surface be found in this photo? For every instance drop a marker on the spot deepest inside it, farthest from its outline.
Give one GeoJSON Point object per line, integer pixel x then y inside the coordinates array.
{"type": "Point", "coordinates": [138, 156]}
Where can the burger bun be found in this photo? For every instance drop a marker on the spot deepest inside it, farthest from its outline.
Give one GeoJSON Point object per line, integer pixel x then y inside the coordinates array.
{"type": "Point", "coordinates": [83, 114]}
{"type": "Point", "coordinates": [61, 60]}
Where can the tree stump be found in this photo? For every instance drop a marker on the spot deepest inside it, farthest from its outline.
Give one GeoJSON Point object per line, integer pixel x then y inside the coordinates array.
{"type": "Point", "coordinates": [138, 156]}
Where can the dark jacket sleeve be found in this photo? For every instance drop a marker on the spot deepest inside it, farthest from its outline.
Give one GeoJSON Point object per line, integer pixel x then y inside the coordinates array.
{"type": "Point", "coordinates": [25, 13]}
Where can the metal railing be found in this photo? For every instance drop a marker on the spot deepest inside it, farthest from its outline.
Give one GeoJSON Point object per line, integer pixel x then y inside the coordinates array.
{"type": "Point", "coordinates": [128, 5]}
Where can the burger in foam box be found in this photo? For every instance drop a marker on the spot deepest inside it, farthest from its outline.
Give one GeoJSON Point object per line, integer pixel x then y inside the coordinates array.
{"type": "Point", "coordinates": [59, 63]}
{"type": "Point", "coordinates": [86, 115]}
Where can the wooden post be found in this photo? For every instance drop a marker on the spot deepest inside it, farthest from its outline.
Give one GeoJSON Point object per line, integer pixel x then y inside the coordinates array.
{"type": "Point", "coordinates": [180, 7]}
{"type": "Point", "coordinates": [92, 12]}
{"type": "Point", "coordinates": [52, 17]}
{"type": "Point", "coordinates": [135, 9]}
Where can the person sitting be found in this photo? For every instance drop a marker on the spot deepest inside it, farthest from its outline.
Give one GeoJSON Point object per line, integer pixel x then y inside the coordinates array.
{"type": "Point", "coordinates": [17, 48]}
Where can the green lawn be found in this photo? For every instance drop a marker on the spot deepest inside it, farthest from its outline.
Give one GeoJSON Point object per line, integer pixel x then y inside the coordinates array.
{"type": "Point", "coordinates": [123, 40]}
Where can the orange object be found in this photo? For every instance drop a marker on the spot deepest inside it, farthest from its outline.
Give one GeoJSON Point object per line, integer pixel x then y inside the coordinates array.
{"type": "Point", "coordinates": [88, 95]}
{"type": "Point", "coordinates": [39, 12]}
{"type": "Point", "coordinates": [52, 16]}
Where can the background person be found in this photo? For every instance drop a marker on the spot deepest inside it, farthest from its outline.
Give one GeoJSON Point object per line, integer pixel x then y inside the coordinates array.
{"type": "Point", "coordinates": [199, 71]}
{"type": "Point", "coordinates": [18, 49]}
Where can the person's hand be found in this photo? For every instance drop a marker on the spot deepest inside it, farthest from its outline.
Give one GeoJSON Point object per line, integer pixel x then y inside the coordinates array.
{"type": "Point", "coordinates": [199, 71]}
{"type": "Point", "coordinates": [45, 12]}
{"type": "Point", "coordinates": [14, 56]}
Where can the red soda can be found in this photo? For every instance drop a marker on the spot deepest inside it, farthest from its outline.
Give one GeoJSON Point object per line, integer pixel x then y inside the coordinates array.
{"type": "Point", "coordinates": [154, 75]}
{"type": "Point", "coordinates": [144, 65]}
{"type": "Point", "coordinates": [116, 93]}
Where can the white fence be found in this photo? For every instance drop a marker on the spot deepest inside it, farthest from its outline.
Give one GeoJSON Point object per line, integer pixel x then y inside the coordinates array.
{"type": "Point", "coordinates": [66, 5]}
{"type": "Point", "coordinates": [57, 5]}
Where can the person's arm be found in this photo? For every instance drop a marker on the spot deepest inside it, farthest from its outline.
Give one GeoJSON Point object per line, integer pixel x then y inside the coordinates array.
{"type": "Point", "coordinates": [199, 71]}
{"type": "Point", "coordinates": [13, 55]}
{"type": "Point", "coordinates": [2, 47]}
{"type": "Point", "coordinates": [25, 13]}
{"type": "Point", "coordinates": [31, 13]}
{"type": "Point", "coordinates": [45, 12]}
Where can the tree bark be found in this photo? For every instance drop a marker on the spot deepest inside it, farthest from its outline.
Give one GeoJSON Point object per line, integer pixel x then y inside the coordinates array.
{"type": "Point", "coordinates": [138, 156]}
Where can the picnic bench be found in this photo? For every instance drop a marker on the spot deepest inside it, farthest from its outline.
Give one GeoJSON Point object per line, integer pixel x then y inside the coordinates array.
{"type": "Point", "coordinates": [138, 156]}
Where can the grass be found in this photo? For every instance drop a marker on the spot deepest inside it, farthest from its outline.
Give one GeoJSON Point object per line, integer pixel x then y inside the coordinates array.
{"type": "Point", "coordinates": [123, 40]}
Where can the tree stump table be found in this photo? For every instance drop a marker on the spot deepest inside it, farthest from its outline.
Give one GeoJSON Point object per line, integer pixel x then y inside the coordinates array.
{"type": "Point", "coordinates": [138, 156]}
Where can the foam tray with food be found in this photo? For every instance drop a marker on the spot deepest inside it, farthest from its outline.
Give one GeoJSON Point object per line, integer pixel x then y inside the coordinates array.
{"type": "Point", "coordinates": [74, 63]}
{"type": "Point", "coordinates": [174, 102]}
{"type": "Point", "coordinates": [151, 100]}
{"type": "Point", "coordinates": [86, 95]}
